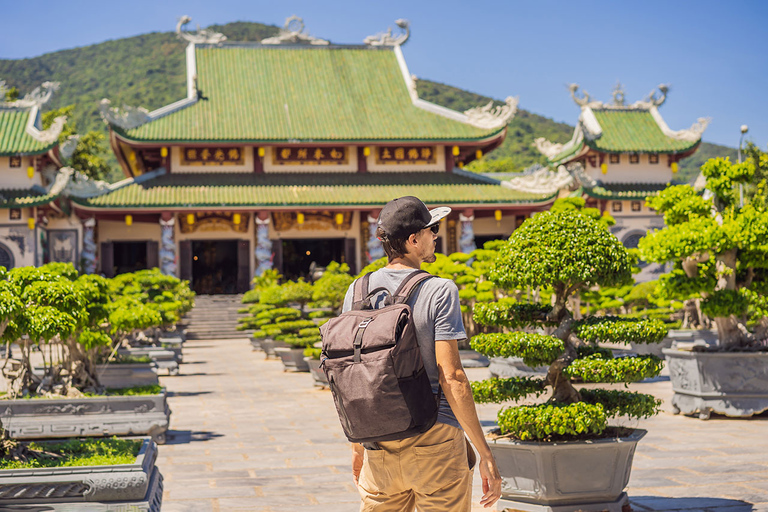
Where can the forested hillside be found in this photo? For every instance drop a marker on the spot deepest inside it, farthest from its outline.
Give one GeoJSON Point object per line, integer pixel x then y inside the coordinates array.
{"type": "Point", "coordinates": [149, 71]}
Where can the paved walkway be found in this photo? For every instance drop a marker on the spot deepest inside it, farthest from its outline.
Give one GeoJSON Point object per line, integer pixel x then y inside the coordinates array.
{"type": "Point", "coordinates": [247, 436]}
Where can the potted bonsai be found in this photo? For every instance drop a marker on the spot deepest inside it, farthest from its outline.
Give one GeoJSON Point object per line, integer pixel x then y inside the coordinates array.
{"type": "Point", "coordinates": [719, 250]}
{"type": "Point", "coordinates": [562, 452]}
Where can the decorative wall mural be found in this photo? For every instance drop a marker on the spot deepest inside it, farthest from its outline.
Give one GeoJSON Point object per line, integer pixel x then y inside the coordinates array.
{"type": "Point", "coordinates": [62, 246]}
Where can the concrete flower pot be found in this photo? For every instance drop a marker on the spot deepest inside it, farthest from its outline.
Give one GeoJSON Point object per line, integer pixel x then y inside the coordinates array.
{"type": "Point", "coordinates": [269, 345]}
{"type": "Point", "coordinates": [292, 358]}
{"type": "Point", "coordinates": [165, 359]}
{"type": "Point", "coordinates": [565, 476]}
{"type": "Point", "coordinates": [510, 367]}
{"type": "Point", "coordinates": [86, 417]}
{"type": "Point", "coordinates": [256, 343]}
{"type": "Point", "coordinates": [117, 376]}
{"type": "Point", "coordinates": [317, 373]}
{"type": "Point", "coordinates": [136, 486]}
{"type": "Point", "coordinates": [730, 383]}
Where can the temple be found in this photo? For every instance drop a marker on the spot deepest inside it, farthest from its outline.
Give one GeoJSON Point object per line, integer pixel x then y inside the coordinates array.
{"type": "Point", "coordinates": [280, 155]}
{"type": "Point", "coordinates": [620, 154]}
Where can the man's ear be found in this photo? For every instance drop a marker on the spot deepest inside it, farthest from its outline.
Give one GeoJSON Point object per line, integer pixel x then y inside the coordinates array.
{"type": "Point", "coordinates": [412, 239]}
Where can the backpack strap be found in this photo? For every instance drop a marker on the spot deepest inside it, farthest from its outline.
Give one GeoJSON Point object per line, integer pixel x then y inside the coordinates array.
{"type": "Point", "coordinates": [361, 297]}
{"type": "Point", "coordinates": [406, 288]}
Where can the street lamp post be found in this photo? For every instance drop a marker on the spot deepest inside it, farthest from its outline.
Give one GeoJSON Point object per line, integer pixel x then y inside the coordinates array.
{"type": "Point", "coordinates": [744, 130]}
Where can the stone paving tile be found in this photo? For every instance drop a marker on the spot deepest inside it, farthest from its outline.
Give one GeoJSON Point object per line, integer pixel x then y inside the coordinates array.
{"type": "Point", "coordinates": [249, 437]}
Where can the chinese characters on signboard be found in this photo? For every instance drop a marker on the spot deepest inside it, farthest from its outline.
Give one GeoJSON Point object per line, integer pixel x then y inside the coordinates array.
{"type": "Point", "coordinates": [418, 155]}
{"type": "Point", "coordinates": [15, 161]}
{"type": "Point", "coordinates": [212, 156]}
{"type": "Point", "coordinates": [322, 155]}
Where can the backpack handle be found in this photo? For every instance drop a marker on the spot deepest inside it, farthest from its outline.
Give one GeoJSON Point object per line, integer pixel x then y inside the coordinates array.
{"type": "Point", "coordinates": [362, 297]}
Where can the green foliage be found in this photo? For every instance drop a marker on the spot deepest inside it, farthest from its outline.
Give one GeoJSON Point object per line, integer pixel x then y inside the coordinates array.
{"type": "Point", "coordinates": [534, 349]}
{"type": "Point", "coordinates": [330, 289]}
{"type": "Point", "coordinates": [488, 165]}
{"type": "Point", "coordinates": [298, 341]}
{"type": "Point", "coordinates": [313, 352]}
{"type": "Point", "coordinates": [320, 314]}
{"type": "Point", "coordinates": [551, 422]}
{"type": "Point", "coordinates": [723, 303]}
{"type": "Point", "coordinates": [152, 389]}
{"type": "Point", "coordinates": [78, 453]}
{"type": "Point", "coordinates": [623, 369]}
{"type": "Point", "coordinates": [373, 266]}
{"type": "Point", "coordinates": [268, 278]}
{"type": "Point", "coordinates": [577, 204]}
{"type": "Point", "coordinates": [89, 340]}
{"type": "Point", "coordinates": [680, 204]}
{"type": "Point", "coordinates": [620, 330]}
{"type": "Point", "coordinates": [92, 154]}
{"type": "Point", "coordinates": [565, 249]}
{"type": "Point", "coordinates": [508, 312]}
{"type": "Point", "coordinates": [497, 390]}
{"type": "Point", "coordinates": [622, 403]}
{"type": "Point", "coordinates": [128, 314]}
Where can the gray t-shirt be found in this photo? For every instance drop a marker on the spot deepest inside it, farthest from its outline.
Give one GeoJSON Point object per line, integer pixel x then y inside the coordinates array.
{"type": "Point", "coordinates": [436, 316]}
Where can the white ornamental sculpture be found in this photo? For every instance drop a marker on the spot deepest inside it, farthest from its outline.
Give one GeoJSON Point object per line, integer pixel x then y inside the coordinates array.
{"type": "Point", "coordinates": [467, 238]}
{"type": "Point", "coordinates": [167, 251]}
{"type": "Point", "coordinates": [491, 117]}
{"type": "Point", "coordinates": [375, 249]}
{"type": "Point", "coordinates": [387, 39]}
{"type": "Point", "coordinates": [541, 180]}
{"type": "Point", "coordinates": [203, 36]}
{"type": "Point", "coordinates": [293, 33]}
{"type": "Point", "coordinates": [126, 118]}
{"type": "Point", "coordinates": [263, 247]}
{"type": "Point", "coordinates": [89, 246]}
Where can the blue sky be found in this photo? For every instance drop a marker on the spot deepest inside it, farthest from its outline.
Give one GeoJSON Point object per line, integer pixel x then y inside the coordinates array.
{"type": "Point", "coordinates": [714, 54]}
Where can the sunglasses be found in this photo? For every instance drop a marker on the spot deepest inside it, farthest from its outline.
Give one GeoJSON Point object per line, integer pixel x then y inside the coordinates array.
{"type": "Point", "coordinates": [435, 228]}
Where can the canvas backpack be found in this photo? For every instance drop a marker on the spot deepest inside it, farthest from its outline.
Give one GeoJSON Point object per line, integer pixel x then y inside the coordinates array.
{"type": "Point", "coordinates": [374, 367]}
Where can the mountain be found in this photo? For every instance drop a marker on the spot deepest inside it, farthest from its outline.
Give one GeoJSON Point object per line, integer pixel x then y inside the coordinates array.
{"type": "Point", "coordinates": [149, 71]}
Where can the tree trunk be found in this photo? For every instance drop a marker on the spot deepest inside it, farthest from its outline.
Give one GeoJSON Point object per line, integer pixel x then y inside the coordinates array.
{"type": "Point", "coordinates": [563, 390]}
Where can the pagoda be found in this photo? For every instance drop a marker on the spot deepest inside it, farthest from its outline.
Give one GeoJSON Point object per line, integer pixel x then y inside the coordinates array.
{"type": "Point", "coordinates": [33, 227]}
{"type": "Point", "coordinates": [620, 154]}
{"type": "Point", "coordinates": [281, 155]}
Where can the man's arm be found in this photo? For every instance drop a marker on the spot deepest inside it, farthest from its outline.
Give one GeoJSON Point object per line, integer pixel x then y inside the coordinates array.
{"type": "Point", "coordinates": [458, 392]}
{"type": "Point", "coordinates": [357, 460]}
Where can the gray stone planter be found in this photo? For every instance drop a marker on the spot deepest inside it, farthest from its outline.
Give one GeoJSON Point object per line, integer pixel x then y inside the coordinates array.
{"type": "Point", "coordinates": [87, 417]}
{"type": "Point", "coordinates": [268, 345]}
{"type": "Point", "coordinates": [292, 358]}
{"type": "Point", "coordinates": [317, 373]}
{"type": "Point", "coordinates": [256, 343]}
{"type": "Point", "coordinates": [117, 376]}
{"type": "Point", "coordinates": [165, 359]}
{"type": "Point", "coordinates": [137, 486]}
{"type": "Point", "coordinates": [565, 476]}
{"type": "Point", "coordinates": [730, 383]}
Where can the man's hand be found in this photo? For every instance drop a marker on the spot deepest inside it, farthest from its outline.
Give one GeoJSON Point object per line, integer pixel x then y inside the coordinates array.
{"type": "Point", "coordinates": [491, 482]}
{"type": "Point", "coordinates": [357, 461]}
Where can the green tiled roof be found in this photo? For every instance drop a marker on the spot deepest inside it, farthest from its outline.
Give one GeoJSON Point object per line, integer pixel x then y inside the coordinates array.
{"type": "Point", "coordinates": [271, 94]}
{"type": "Point", "coordinates": [215, 190]}
{"type": "Point", "coordinates": [22, 198]}
{"type": "Point", "coordinates": [617, 191]}
{"type": "Point", "coordinates": [563, 155]}
{"type": "Point", "coordinates": [14, 140]}
{"type": "Point", "coordinates": [634, 131]}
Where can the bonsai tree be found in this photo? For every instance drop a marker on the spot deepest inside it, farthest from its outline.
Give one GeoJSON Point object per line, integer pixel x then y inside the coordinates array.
{"type": "Point", "coordinates": [719, 250]}
{"type": "Point", "coordinates": [564, 251]}
{"type": "Point", "coordinates": [329, 290]}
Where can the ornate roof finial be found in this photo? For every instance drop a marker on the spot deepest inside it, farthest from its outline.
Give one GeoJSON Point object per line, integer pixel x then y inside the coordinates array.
{"type": "Point", "coordinates": [127, 118]}
{"type": "Point", "coordinates": [387, 39]}
{"type": "Point", "coordinates": [547, 147]}
{"type": "Point", "coordinates": [491, 117]}
{"type": "Point", "coordinates": [37, 98]}
{"type": "Point", "coordinates": [202, 36]}
{"type": "Point", "coordinates": [293, 33]}
{"type": "Point", "coordinates": [653, 100]}
{"type": "Point", "coordinates": [585, 98]}
{"type": "Point", "coordinates": [618, 95]}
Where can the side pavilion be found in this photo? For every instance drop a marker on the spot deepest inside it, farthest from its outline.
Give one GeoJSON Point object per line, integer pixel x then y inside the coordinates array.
{"type": "Point", "coordinates": [281, 155]}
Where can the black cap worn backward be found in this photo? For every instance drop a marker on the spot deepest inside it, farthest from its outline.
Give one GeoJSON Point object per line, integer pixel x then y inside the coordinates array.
{"type": "Point", "coordinates": [406, 215]}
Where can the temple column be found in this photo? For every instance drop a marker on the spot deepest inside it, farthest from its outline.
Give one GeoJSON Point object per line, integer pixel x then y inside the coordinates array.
{"type": "Point", "coordinates": [263, 244]}
{"type": "Point", "coordinates": [375, 249]}
{"type": "Point", "coordinates": [89, 246]}
{"type": "Point", "coordinates": [167, 251]}
{"type": "Point", "coordinates": [467, 237]}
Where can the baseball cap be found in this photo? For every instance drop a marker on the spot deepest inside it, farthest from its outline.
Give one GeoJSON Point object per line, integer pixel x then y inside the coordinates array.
{"type": "Point", "coordinates": [406, 215]}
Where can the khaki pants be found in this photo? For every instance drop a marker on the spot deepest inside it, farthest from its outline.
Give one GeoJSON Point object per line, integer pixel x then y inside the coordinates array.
{"type": "Point", "coordinates": [431, 472]}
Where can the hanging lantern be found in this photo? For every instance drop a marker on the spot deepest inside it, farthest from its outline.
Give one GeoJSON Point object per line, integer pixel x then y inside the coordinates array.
{"type": "Point", "coordinates": [190, 218]}
{"type": "Point", "coordinates": [31, 222]}
{"type": "Point", "coordinates": [479, 154]}
{"type": "Point", "coordinates": [366, 151]}
{"type": "Point", "coordinates": [128, 220]}
{"type": "Point", "coordinates": [30, 172]}
{"type": "Point", "coordinates": [261, 152]}
{"type": "Point", "coordinates": [497, 215]}
{"type": "Point", "coordinates": [300, 218]}
{"type": "Point", "coordinates": [604, 168]}
{"type": "Point", "coordinates": [163, 152]}
{"type": "Point", "coordinates": [339, 219]}
{"type": "Point", "coordinates": [132, 156]}
{"type": "Point", "coordinates": [455, 151]}
{"type": "Point", "coordinates": [236, 218]}
{"type": "Point", "coordinates": [674, 166]}
{"type": "Point", "coordinates": [461, 165]}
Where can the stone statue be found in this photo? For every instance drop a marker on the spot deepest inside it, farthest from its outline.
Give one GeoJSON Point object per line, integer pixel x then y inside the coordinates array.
{"type": "Point", "coordinates": [387, 39]}
{"type": "Point", "coordinates": [203, 36]}
{"type": "Point", "coordinates": [491, 117]}
{"type": "Point", "coordinates": [293, 33]}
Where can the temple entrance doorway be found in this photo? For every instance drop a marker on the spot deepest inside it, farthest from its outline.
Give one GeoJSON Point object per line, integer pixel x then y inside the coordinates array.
{"type": "Point", "coordinates": [214, 266]}
{"type": "Point", "coordinates": [299, 255]}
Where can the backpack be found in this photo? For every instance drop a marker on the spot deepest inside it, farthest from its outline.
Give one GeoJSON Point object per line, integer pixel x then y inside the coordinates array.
{"type": "Point", "coordinates": [374, 367]}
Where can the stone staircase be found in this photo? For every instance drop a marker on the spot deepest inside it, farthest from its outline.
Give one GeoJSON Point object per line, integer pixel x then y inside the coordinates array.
{"type": "Point", "coordinates": [215, 317]}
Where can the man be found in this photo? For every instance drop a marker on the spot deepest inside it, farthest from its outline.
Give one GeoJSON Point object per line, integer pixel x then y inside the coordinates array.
{"type": "Point", "coordinates": [431, 471]}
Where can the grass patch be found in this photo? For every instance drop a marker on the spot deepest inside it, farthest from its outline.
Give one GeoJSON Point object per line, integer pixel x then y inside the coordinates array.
{"type": "Point", "coordinates": [91, 452]}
